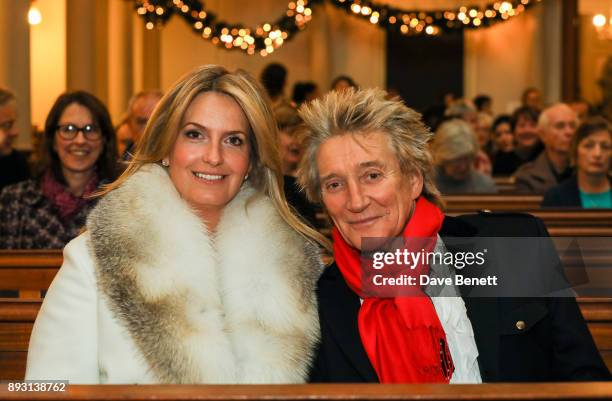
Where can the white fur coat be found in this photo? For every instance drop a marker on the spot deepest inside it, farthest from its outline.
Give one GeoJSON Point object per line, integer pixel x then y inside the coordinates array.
{"type": "Point", "coordinates": [189, 307]}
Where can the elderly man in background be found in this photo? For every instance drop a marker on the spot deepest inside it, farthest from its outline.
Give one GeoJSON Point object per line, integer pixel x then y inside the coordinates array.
{"type": "Point", "coordinates": [13, 164]}
{"type": "Point", "coordinates": [140, 108]}
{"type": "Point", "coordinates": [556, 126]}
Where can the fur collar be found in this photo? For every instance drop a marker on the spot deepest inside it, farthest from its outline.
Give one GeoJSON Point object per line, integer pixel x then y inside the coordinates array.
{"type": "Point", "coordinates": [236, 307]}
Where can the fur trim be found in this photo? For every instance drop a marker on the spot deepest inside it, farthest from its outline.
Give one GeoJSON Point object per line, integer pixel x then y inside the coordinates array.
{"type": "Point", "coordinates": [239, 307]}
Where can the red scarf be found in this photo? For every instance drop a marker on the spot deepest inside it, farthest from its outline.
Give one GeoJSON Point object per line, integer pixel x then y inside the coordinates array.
{"type": "Point", "coordinates": [60, 196]}
{"type": "Point", "coordinates": [402, 335]}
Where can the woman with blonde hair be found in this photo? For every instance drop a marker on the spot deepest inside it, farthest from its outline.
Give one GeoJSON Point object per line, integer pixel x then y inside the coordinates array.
{"type": "Point", "coordinates": [192, 268]}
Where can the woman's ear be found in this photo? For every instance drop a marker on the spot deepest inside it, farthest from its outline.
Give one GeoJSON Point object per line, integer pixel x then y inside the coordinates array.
{"type": "Point", "coordinates": [416, 185]}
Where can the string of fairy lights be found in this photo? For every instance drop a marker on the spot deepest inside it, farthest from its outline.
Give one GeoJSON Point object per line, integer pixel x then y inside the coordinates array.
{"type": "Point", "coordinates": [267, 37]}
{"type": "Point", "coordinates": [263, 39]}
{"type": "Point", "coordinates": [435, 22]}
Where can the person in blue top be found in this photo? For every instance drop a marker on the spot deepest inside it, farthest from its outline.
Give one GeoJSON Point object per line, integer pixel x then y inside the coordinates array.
{"type": "Point", "coordinates": [591, 152]}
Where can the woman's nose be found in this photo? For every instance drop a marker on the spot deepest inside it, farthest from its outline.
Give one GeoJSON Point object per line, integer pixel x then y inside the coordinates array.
{"type": "Point", "coordinates": [213, 154]}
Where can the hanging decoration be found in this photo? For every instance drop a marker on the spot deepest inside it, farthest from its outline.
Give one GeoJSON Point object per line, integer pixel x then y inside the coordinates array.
{"type": "Point", "coordinates": [264, 39]}
{"type": "Point", "coordinates": [269, 36]}
{"type": "Point", "coordinates": [434, 22]}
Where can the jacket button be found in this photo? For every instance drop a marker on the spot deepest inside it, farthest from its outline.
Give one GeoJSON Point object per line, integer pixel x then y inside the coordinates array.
{"type": "Point", "coordinates": [520, 325]}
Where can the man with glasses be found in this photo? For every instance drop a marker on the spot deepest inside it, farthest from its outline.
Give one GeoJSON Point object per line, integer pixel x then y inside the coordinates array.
{"type": "Point", "coordinates": [556, 127]}
{"type": "Point", "coordinates": [13, 164]}
{"type": "Point", "coordinates": [140, 108]}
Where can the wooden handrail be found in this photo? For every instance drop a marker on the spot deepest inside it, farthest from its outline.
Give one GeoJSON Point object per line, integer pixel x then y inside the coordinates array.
{"type": "Point", "coordinates": [50, 258]}
{"type": "Point", "coordinates": [322, 392]}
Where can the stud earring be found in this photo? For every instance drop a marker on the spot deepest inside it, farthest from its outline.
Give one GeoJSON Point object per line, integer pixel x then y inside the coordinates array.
{"type": "Point", "coordinates": [165, 163]}
{"type": "Point", "coordinates": [246, 177]}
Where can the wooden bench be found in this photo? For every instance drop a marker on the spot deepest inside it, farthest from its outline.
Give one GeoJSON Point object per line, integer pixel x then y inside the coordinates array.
{"type": "Point", "coordinates": [325, 392]}
{"type": "Point", "coordinates": [17, 317]}
{"type": "Point", "coordinates": [29, 271]}
{"type": "Point", "coordinates": [470, 203]}
{"type": "Point", "coordinates": [505, 185]}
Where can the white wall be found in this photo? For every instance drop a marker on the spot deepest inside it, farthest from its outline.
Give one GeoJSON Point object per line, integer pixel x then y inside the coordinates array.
{"type": "Point", "coordinates": [48, 59]}
{"type": "Point", "coordinates": [332, 44]}
{"type": "Point", "coordinates": [508, 57]}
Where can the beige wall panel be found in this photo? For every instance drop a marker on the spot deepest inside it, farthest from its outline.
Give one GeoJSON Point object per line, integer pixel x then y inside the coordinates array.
{"type": "Point", "coordinates": [593, 53]}
{"type": "Point", "coordinates": [48, 58]}
{"type": "Point", "coordinates": [508, 57]}
{"type": "Point", "coordinates": [15, 65]}
{"type": "Point", "coordinates": [334, 44]}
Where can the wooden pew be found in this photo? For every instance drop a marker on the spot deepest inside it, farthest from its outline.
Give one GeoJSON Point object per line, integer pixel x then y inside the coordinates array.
{"type": "Point", "coordinates": [28, 271]}
{"type": "Point", "coordinates": [325, 392]}
{"type": "Point", "coordinates": [505, 185]}
{"type": "Point", "coordinates": [598, 314]}
{"type": "Point", "coordinates": [470, 203]}
{"type": "Point", "coordinates": [17, 317]}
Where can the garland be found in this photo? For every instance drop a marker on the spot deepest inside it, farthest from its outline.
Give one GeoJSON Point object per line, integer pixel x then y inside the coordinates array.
{"type": "Point", "coordinates": [265, 38]}
{"type": "Point", "coordinates": [415, 22]}
{"type": "Point", "coordinates": [269, 36]}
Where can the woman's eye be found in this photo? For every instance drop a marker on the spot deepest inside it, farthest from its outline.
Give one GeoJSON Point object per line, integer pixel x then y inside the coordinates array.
{"type": "Point", "coordinates": [235, 140]}
{"type": "Point", "coordinates": [192, 134]}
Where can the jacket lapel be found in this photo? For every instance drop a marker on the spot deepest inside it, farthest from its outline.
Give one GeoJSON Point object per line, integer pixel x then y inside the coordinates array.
{"type": "Point", "coordinates": [482, 312]}
{"type": "Point", "coordinates": [339, 308]}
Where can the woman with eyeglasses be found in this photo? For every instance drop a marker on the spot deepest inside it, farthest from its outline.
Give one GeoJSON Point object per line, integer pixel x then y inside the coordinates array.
{"type": "Point", "coordinates": [77, 156]}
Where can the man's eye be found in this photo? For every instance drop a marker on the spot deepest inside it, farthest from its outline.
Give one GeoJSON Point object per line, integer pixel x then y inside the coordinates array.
{"type": "Point", "coordinates": [373, 176]}
{"type": "Point", "coordinates": [332, 186]}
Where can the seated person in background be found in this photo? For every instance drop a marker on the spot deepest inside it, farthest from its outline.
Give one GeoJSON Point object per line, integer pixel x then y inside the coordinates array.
{"type": "Point", "coordinates": [290, 148]}
{"type": "Point", "coordinates": [525, 127]}
{"type": "Point", "coordinates": [591, 152]}
{"type": "Point", "coordinates": [465, 110]}
{"type": "Point", "coordinates": [13, 164]}
{"type": "Point", "coordinates": [505, 160]}
{"type": "Point", "coordinates": [273, 78]}
{"type": "Point", "coordinates": [343, 82]}
{"type": "Point", "coordinates": [192, 268]}
{"type": "Point", "coordinates": [79, 153]}
{"type": "Point", "coordinates": [532, 97]}
{"type": "Point", "coordinates": [453, 148]}
{"type": "Point", "coordinates": [484, 123]}
{"type": "Point", "coordinates": [366, 160]}
{"type": "Point", "coordinates": [484, 104]}
{"type": "Point", "coordinates": [556, 127]}
{"type": "Point", "coordinates": [140, 108]}
{"type": "Point", "coordinates": [582, 108]}
{"type": "Point", "coordinates": [304, 92]}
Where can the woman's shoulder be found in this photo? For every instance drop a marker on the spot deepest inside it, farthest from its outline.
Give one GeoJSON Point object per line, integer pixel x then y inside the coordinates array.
{"type": "Point", "coordinates": [21, 193]}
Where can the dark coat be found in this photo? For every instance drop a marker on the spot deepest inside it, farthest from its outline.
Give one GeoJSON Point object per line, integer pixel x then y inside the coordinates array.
{"type": "Point", "coordinates": [554, 345]}
{"type": "Point", "coordinates": [565, 194]}
{"type": "Point", "coordinates": [535, 177]}
{"type": "Point", "coordinates": [28, 220]}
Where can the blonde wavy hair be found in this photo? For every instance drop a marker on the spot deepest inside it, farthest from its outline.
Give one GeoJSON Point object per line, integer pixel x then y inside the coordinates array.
{"type": "Point", "coordinates": [361, 111]}
{"type": "Point", "coordinates": [265, 172]}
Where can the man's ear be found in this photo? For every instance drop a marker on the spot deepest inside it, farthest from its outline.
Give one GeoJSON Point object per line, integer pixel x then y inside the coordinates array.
{"type": "Point", "coordinates": [416, 185]}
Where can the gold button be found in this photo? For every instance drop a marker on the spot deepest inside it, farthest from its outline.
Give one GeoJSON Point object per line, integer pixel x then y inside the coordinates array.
{"type": "Point", "coordinates": [520, 325]}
